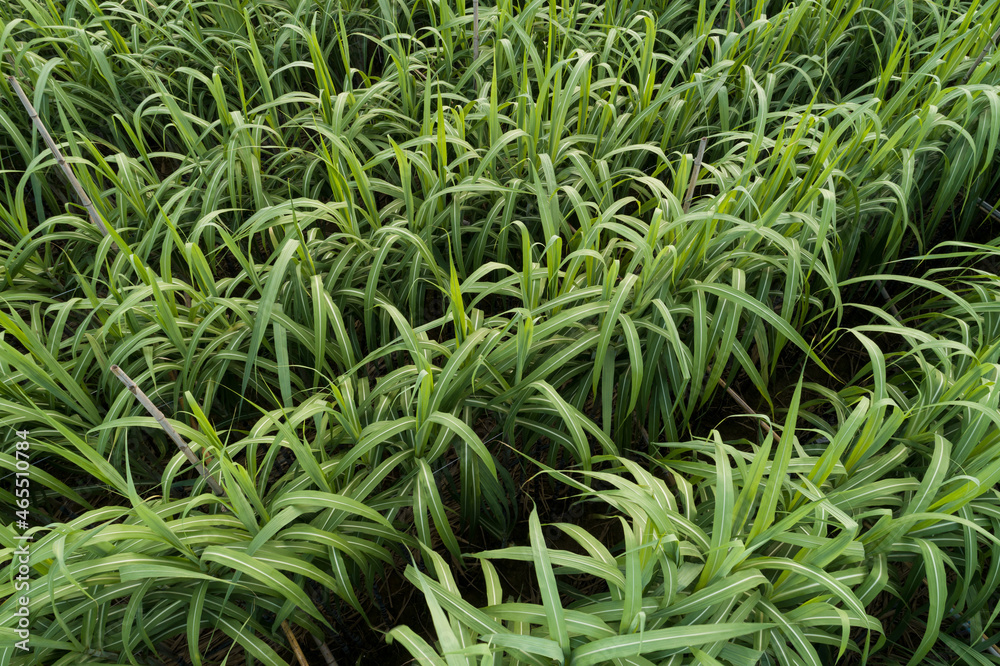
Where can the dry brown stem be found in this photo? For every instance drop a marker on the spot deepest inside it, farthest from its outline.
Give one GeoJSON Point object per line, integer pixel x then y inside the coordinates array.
{"type": "Point", "coordinates": [60, 160]}
{"type": "Point", "coordinates": [167, 428]}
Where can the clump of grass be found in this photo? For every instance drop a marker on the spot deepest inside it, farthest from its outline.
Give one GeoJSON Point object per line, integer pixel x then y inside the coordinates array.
{"type": "Point", "coordinates": [381, 264]}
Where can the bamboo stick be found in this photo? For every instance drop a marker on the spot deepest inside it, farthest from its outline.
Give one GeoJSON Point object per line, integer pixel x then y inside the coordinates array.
{"type": "Point", "coordinates": [294, 643]}
{"type": "Point", "coordinates": [325, 651]}
{"type": "Point", "coordinates": [694, 172]}
{"type": "Point", "coordinates": [475, 29]}
{"type": "Point", "coordinates": [67, 171]}
{"type": "Point", "coordinates": [986, 49]}
{"type": "Point", "coordinates": [167, 428]}
{"type": "Point", "coordinates": [747, 408]}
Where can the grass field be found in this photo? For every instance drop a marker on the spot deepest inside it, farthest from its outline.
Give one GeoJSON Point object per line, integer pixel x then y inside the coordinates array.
{"type": "Point", "coordinates": [542, 332]}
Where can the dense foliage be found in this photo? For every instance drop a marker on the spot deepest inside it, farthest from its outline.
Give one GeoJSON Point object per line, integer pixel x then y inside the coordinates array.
{"type": "Point", "coordinates": [623, 332]}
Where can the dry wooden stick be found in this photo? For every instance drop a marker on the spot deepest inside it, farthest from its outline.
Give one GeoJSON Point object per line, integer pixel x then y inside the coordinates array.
{"type": "Point", "coordinates": [989, 210]}
{"type": "Point", "coordinates": [694, 172]}
{"type": "Point", "coordinates": [740, 18]}
{"type": "Point", "coordinates": [745, 407]}
{"type": "Point", "coordinates": [888, 298]}
{"type": "Point", "coordinates": [325, 651]}
{"type": "Point", "coordinates": [67, 171]}
{"type": "Point", "coordinates": [167, 428]}
{"type": "Point", "coordinates": [993, 41]}
{"type": "Point", "coordinates": [294, 643]}
{"type": "Point", "coordinates": [475, 29]}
